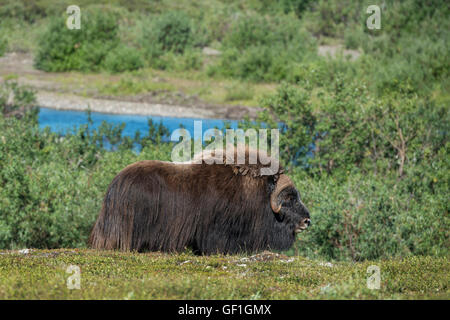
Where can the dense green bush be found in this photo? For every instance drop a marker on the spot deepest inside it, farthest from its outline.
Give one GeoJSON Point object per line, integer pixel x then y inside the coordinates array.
{"type": "Point", "coordinates": [263, 49]}
{"type": "Point", "coordinates": [365, 202]}
{"type": "Point", "coordinates": [257, 63]}
{"type": "Point", "coordinates": [372, 172]}
{"type": "Point", "coordinates": [62, 49]}
{"type": "Point", "coordinates": [20, 10]}
{"type": "Point", "coordinates": [413, 64]}
{"type": "Point", "coordinates": [123, 59]}
{"type": "Point", "coordinates": [289, 107]}
{"type": "Point", "coordinates": [248, 31]}
{"type": "Point", "coordinates": [260, 41]}
{"type": "Point", "coordinates": [363, 206]}
{"type": "Point", "coordinates": [168, 42]}
{"type": "Point", "coordinates": [191, 59]}
{"type": "Point", "coordinates": [353, 130]}
{"type": "Point", "coordinates": [330, 18]}
{"type": "Point", "coordinates": [353, 38]}
{"type": "Point", "coordinates": [51, 186]}
{"type": "Point", "coordinates": [15, 99]}
{"type": "Point", "coordinates": [297, 6]}
{"type": "Point", "coordinates": [365, 141]}
{"type": "Point", "coordinates": [169, 32]}
{"type": "Point", "coordinates": [173, 31]}
{"type": "Point", "coordinates": [32, 11]}
{"type": "Point", "coordinates": [371, 217]}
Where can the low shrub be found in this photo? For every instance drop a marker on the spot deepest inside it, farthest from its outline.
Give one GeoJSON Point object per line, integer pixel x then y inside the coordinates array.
{"type": "Point", "coordinates": [263, 49]}
{"type": "Point", "coordinates": [420, 68]}
{"type": "Point", "coordinates": [3, 45]}
{"type": "Point", "coordinates": [51, 186]}
{"type": "Point", "coordinates": [331, 18]}
{"type": "Point", "coordinates": [353, 38]}
{"type": "Point", "coordinates": [169, 32]}
{"type": "Point", "coordinates": [123, 58]}
{"type": "Point", "coordinates": [369, 217]}
{"type": "Point", "coordinates": [248, 31]}
{"type": "Point", "coordinates": [62, 49]}
{"type": "Point", "coordinates": [191, 59]}
{"type": "Point", "coordinates": [371, 172]}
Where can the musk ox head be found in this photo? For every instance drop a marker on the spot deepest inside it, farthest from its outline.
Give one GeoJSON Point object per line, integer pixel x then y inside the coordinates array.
{"type": "Point", "coordinates": [208, 207]}
{"type": "Point", "coordinates": [286, 204]}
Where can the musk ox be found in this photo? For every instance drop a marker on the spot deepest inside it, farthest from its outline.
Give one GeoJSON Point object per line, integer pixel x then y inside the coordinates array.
{"type": "Point", "coordinates": [210, 208]}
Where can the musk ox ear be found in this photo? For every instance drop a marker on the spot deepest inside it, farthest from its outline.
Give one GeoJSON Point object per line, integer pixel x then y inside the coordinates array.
{"type": "Point", "coordinates": [282, 183]}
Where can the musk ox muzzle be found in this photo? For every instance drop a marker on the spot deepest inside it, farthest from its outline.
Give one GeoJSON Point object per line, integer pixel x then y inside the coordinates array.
{"type": "Point", "coordinates": [210, 208]}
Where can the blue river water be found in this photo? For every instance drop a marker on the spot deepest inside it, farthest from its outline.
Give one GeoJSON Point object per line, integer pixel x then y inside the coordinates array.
{"type": "Point", "coordinates": [63, 121]}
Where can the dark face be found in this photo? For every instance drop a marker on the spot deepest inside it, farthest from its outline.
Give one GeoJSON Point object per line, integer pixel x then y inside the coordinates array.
{"type": "Point", "coordinates": [293, 212]}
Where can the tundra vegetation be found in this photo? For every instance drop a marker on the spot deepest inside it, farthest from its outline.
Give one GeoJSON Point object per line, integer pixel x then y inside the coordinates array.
{"type": "Point", "coordinates": [125, 275]}
{"type": "Point", "coordinates": [365, 141]}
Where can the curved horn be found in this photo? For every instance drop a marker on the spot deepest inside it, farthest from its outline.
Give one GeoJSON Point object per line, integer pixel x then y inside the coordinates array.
{"type": "Point", "coordinates": [282, 183]}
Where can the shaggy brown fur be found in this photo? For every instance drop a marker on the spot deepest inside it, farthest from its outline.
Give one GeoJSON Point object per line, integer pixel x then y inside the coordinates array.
{"type": "Point", "coordinates": [211, 208]}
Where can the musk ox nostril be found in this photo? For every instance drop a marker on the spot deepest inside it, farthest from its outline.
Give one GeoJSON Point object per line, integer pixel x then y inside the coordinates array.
{"type": "Point", "coordinates": [307, 221]}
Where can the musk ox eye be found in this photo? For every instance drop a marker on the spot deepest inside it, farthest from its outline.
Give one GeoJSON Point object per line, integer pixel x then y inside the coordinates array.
{"type": "Point", "coordinates": [289, 198]}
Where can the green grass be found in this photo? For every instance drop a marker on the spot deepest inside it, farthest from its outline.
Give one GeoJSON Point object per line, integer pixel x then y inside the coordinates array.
{"type": "Point", "coordinates": [41, 274]}
{"type": "Point", "coordinates": [159, 82]}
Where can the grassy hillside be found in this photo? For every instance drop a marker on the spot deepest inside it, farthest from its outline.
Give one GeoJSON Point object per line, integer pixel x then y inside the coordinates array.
{"type": "Point", "coordinates": [41, 274]}
{"type": "Point", "coordinates": [364, 139]}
